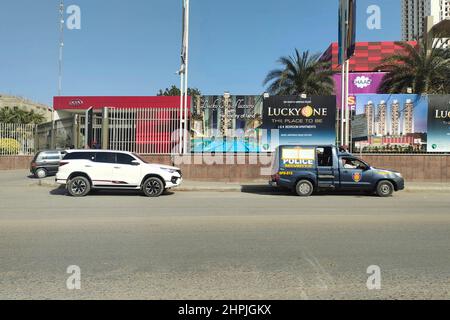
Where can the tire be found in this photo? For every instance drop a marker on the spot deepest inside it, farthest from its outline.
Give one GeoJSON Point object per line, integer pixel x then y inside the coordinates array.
{"type": "Point", "coordinates": [79, 186]}
{"type": "Point", "coordinates": [304, 188]}
{"type": "Point", "coordinates": [385, 189]}
{"type": "Point", "coordinates": [40, 173]}
{"type": "Point", "coordinates": [153, 187]}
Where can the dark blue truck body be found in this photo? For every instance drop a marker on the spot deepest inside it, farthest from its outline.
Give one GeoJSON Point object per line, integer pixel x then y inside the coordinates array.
{"type": "Point", "coordinates": [325, 167]}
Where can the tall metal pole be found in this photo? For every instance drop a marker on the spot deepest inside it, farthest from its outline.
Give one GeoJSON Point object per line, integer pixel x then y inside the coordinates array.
{"type": "Point", "coordinates": [60, 68]}
{"type": "Point", "coordinates": [342, 111]}
{"type": "Point", "coordinates": [347, 109]}
{"type": "Point", "coordinates": [186, 73]}
{"type": "Point", "coordinates": [61, 46]}
{"type": "Point", "coordinates": [180, 141]}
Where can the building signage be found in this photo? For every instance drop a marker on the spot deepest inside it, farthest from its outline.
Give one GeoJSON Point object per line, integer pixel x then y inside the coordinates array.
{"type": "Point", "coordinates": [439, 123]}
{"type": "Point", "coordinates": [359, 83]}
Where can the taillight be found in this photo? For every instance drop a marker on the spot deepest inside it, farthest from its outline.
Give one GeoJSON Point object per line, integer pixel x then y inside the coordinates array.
{"type": "Point", "coordinates": [62, 163]}
{"type": "Point", "coordinates": [276, 177]}
{"type": "Point", "coordinates": [33, 164]}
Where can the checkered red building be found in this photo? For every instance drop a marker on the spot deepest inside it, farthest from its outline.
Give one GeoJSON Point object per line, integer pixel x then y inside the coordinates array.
{"type": "Point", "coordinates": [368, 55]}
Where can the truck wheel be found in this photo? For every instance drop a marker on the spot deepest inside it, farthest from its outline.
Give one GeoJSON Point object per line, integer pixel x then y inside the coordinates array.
{"type": "Point", "coordinates": [385, 189]}
{"type": "Point", "coordinates": [153, 187]}
{"type": "Point", "coordinates": [79, 186]}
{"type": "Point", "coordinates": [304, 188]}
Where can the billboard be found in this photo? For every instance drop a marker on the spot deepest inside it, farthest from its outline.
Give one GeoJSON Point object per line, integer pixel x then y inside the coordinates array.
{"type": "Point", "coordinates": [226, 123]}
{"type": "Point", "coordinates": [392, 122]}
{"type": "Point", "coordinates": [306, 121]}
{"type": "Point", "coordinates": [439, 123]}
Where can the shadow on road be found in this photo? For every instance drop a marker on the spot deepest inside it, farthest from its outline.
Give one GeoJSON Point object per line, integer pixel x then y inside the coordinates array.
{"type": "Point", "coordinates": [271, 191]}
{"type": "Point", "coordinates": [61, 191]}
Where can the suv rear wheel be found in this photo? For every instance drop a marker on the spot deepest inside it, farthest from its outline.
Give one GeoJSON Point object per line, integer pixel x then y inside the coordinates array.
{"type": "Point", "coordinates": [79, 186]}
{"type": "Point", "coordinates": [153, 187]}
{"type": "Point", "coordinates": [304, 188]}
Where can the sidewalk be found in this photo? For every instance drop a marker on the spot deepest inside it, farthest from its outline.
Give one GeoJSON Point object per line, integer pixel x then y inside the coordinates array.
{"type": "Point", "coordinates": [260, 185]}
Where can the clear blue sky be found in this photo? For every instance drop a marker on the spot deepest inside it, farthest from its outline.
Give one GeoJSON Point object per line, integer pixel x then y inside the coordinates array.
{"type": "Point", "coordinates": [132, 47]}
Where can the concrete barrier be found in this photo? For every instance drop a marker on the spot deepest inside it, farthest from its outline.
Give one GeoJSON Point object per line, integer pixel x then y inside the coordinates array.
{"type": "Point", "coordinates": [237, 168]}
{"type": "Point", "coordinates": [15, 162]}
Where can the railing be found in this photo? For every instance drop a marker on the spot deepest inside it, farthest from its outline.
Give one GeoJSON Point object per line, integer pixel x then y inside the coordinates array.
{"type": "Point", "coordinates": [144, 131]}
{"type": "Point", "coordinates": [17, 139]}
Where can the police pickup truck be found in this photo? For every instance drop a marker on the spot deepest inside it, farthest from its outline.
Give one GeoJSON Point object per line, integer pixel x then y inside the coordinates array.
{"type": "Point", "coordinates": [305, 169]}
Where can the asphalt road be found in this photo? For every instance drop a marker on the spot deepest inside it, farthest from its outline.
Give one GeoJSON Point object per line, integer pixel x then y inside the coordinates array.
{"type": "Point", "coordinates": [221, 245]}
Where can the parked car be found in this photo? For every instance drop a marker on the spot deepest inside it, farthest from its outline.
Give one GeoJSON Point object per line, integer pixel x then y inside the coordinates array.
{"type": "Point", "coordinates": [306, 169]}
{"type": "Point", "coordinates": [46, 163]}
{"type": "Point", "coordinates": [83, 170]}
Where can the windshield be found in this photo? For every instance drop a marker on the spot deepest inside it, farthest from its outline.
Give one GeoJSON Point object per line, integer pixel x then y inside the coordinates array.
{"type": "Point", "coordinates": [139, 157]}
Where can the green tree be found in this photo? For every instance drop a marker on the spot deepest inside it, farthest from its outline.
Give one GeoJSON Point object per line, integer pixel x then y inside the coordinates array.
{"type": "Point", "coordinates": [18, 115]}
{"type": "Point", "coordinates": [300, 74]}
{"type": "Point", "coordinates": [422, 70]}
{"type": "Point", "coordinates": [175, 91]}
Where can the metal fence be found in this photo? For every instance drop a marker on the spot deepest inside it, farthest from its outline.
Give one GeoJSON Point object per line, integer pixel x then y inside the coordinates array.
{"type": "Point", "coordinates": [63, 134]}
{"type": "Point", "coordinates": [144, 131]}
{"type": "Point", "coordinates": [17, 139]}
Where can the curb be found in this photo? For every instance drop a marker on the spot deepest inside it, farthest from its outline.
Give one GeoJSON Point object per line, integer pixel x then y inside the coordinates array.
{"type": "Point", "coordinates": [253, 187]}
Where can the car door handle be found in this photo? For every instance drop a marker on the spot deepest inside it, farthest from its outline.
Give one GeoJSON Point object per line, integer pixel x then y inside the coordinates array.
{"type": "Point", "coordinates": [117, 167]}
{"type": "Point", "coordinates": [88, 166]}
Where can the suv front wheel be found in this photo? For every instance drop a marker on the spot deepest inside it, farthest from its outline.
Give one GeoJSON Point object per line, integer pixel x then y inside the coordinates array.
{"type": "Point", "coordinates": [78, 186]}
{"type": "Point", "coordinates": [153, 187]}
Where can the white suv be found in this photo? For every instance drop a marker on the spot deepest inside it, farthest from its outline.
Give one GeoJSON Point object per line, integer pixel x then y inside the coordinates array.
{"type": "Point", "coordinates": [83, 170]}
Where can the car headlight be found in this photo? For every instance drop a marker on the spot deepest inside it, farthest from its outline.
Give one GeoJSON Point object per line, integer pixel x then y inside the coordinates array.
{"type": "Point", "coordinates": [398, 174]}
{"type": "Point", "coordinates": [169, 170]}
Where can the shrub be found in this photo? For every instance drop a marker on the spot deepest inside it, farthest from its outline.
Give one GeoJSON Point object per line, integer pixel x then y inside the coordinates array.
{"type": "Point", "coordinates": [9, 146]}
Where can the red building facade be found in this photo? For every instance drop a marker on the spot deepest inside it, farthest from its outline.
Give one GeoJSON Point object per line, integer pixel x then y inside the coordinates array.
{"type": "Point", "coordinates": [368, 55]}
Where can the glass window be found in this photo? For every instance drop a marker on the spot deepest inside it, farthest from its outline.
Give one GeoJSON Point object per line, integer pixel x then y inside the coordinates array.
{"type": "Point", "coordinates": [324, 156]}
{"type": "Point", "coordinates": [352, 163]}
{"type": "Point", "coordinates": [105, 157]}
{"type": "Point", "coordinates": [123, 158]}
{"type": "Point", "coordinates": [80, 156]}
{"type": "Point", "coordinates": [51, 157]}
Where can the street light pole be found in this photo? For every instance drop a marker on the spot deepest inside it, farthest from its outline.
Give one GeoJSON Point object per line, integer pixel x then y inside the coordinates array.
{"type": "Point", "coordinates": [183, 136]}
{"type": "Point", "coordinates": [186, 70]}
{"type": "Point", "coordinates": [60, 68]}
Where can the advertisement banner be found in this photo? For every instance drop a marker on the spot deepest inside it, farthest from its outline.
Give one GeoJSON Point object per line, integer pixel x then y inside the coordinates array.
{"type": "Point", "coordinates": [226, 124]}
{"type": "Point", "coordinates": [439, 123]}
{"type": "Point", "coordinates": [359, 83]}
{"type": "Point", "coordinates": [390, 123]}
{"type": "Point", "coordinates": [305, 121]}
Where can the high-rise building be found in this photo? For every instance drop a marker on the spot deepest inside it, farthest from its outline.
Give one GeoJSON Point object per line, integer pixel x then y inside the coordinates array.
{"type": "Point", "coordinates": [414, 13]}
{"type": "Point", "coordinates": [369, 111]}
{"type": "Point", "coordinates": [381, 119]}
{"type": "Point", "coordinates": [395, 118]}
{"type": "Point", "coordinates": [408, 117]}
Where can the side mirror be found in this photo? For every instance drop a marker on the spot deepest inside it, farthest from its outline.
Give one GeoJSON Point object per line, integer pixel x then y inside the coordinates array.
{"type": "Point", "coordinates": [135, 163]}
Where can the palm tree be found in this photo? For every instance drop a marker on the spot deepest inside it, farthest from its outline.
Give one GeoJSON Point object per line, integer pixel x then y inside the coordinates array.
{"type": "Point", "coordinates": [18, 115]}
{"type": "Point", "coordinates": [425, 71]}
{"type": "Point", "coordinates": [301, 74]}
